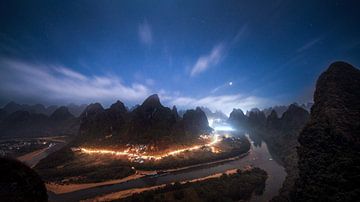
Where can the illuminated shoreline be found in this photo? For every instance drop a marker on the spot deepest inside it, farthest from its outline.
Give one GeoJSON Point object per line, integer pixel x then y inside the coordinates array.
{"type": "Point", "coordinates": [132, 156]}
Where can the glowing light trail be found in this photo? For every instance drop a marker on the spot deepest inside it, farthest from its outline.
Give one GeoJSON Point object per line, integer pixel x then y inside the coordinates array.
{"type": "Point", "coordinates": [132, 156]}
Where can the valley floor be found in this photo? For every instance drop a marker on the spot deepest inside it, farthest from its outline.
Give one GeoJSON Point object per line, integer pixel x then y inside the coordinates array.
{"type": "Point", "coordinates": [71, 187]}
{"type": "Point", "coordinates": [72, 167]}
{"type": "Point", "coordinates": [140, 180]}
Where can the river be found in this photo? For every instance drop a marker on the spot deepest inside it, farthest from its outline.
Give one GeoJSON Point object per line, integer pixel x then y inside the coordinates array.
{"type": "Point", "coordinates": [259, 156]}
{"type": "Point", "coordinates": [33, 158]}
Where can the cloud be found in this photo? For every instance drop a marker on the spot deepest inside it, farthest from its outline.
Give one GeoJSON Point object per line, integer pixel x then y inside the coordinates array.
{"type": "Point", "coordinates": [24, 80]}
{"type": "Point", "coordinates": [224, 103]}
{"type": "Point", "coordinates": [309, 44]}
{"type": "Point", "coordinates": [206, 61]}
{"type": "Point", "coordinates": [70, 73]}
{"type": "Point", "coordinates": [240, 34]}
{"type": "Point", "coordinates": [145, 33]}
{"type": "Point", "coordinates": [149, 81]}
{"type": "Point", "coordinates": [139, 76]}
{"type": "Point", "coordinates": [225, 85]}
{"type": "Point", "coordinates": [213, 58]}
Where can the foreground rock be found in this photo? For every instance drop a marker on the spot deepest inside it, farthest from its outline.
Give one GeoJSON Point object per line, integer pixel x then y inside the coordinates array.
{"type": "Point", "coordinates": [329, 152]}
{"type": "Point", "coordinates": [20, 183]}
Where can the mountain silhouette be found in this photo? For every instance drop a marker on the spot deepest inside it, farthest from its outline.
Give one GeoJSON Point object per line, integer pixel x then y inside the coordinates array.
{"type": "Point", "coordinates": [329, 152]}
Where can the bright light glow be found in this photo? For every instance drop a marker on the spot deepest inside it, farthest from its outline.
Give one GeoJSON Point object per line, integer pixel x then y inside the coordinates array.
{"type": "Point", "coordinates": [211, 122]}
{"type": "Point", "coordinates": [220, 125]}
{"type": "Point", "coordinates": [136, 156]}
{"type": "Point", "coordinates": [230, 83]}
{"type": "Point", "coordinates": [224, 128]}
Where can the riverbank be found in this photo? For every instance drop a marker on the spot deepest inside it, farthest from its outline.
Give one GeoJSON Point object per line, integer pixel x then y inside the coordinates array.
{"type": "Point", "coordinates": [53, 144]}
{"type": "Point", "coordinates": [130, 192]}
{"type": "Point", "coordinates": [66, 188]}
{"type": "Point", "coordinates": [29, 157]}
{"type": "Point", "coordinates": [233, 185]}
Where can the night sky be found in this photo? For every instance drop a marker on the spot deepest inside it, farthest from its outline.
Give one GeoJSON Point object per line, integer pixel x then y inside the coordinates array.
{"type": "Point", "coordinates": [219, 54]}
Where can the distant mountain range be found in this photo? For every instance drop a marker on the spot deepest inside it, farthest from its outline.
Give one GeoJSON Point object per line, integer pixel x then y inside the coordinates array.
{"type": "Point", "coordinates": [149, 123]}
{"type": "Point", "coordinates": [282, 108]}
{"type": "Point", "coordinates": [30, 124]}
{"type": "Point", "coordinates": [146, 123]}
{"type": "Point", "coordinates": [214, 115]}
{"type": "Point", "coordinates": [279, 132]}
{"type": "Point", "coordinates": [22, 120]}
{"type": "Point", "coordinates": [12, 107]}
{"type": "Point", "coordinates": [291, 121]}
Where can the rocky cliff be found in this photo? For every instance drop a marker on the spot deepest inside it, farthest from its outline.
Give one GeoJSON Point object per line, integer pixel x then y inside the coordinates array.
{"type": "Point", "coordinates": [329, 152]}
